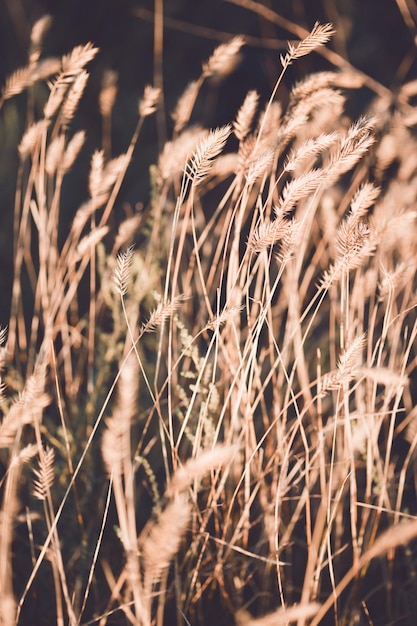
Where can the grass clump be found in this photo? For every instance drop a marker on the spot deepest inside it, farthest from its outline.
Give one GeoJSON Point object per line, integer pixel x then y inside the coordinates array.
{"type": "Point", "coordinates": [208, 408]}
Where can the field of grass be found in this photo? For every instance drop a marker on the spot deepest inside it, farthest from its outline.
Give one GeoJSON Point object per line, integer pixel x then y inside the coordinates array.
{"type": "Point", "coordinates": [208, 406]}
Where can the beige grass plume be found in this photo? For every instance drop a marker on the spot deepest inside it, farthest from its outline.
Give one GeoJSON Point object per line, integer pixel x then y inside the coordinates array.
{"type": "Point", "coordinates": [200, 163]}
{"type": "Point", "coordinates": [182, 112]}
{"type": "Point", "coordinates": [319, 36]}
{"type": "Point", "coordinates": [149, 101]}
{"type": "Point", "coordinates": [224, 59]}
{"type": "Point", "coordinates": [245, 116]}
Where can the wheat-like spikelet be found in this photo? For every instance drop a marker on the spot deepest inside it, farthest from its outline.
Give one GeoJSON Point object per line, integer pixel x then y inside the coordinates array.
{"type": "Point", "coordinates": [31, 138]}
{"type": "Point", "coordinates": [355, 242]}
{"type": "Point", "coordinates": [245, 116]}
{"type": "Point", "coordinates": [72, 150]}
{"type": "Point", "coordinates": [290, 241]}
{"type": "Point", "coordinates": [45, 474]}
{"type": "Point", "coordinates": [160, 540]}
{"type": "Point", "coordinates": [80, 219]}
{"type": "Point", "coordinates": [364, 198]}
{"type": "Point", "coordinates": [103, 177]}
{"type": "Point", "coordinates": [72, 100]}
{"type": "Point", "coordinates": [17, 82]}
{"type": "Point", "coordinates": [26, 454]}
{"type": "Point", "coordinates": [196, 468]}
{"type": "Point", "coordinates": [175, 153]}
{"type": "Point", "coordinates": [223, 317]}
{"type": "Point", "coordinates": [268, 233]}
{"type": "Point", "coordinates": [90, 241]}
{"type": "Point", "coordinates": [199, 165]}
{"type": "Point", "coordinates": [45, 68]}
{"type": "Point", "coordinates": [115, 448]}
{"type": "Point", "coordinates": [163, 312]}
{"type": "Point", "coordinates": [38, 32]}
{"type": "Point", "coordinates": [149, 101]}
{"type": "Point", "coordinates": [96, 174]}
{"type": "Point", "coordinates": [56, 97]}
{"type": "Point", "coordinates": [121, 274]}
{"type": "Point", "coordinates": [224, 59]}
{"type": "Point", "coordinates": [108, 92]}
{"type": "Point", "coordinates": [393, 225]}
{"type": "Point", "coordinates": [388, 148]}
{"type": "Point", "coordinates": [30, 403]}
{"type": "Point", "coordinates": [319, 36]}
{"type": "Point", "coordinates": [115, 445]}
{"type": "Point", "coordinates": [351, 238]}
{"type": "Point", "coordinates": [385, 376]}
{"type": "Point", "coordinates": [299, 188]}
{"type": "Point", "coordinates": [126, 232]}
{"type": "Point", "coordinates": [128, 388]}
{"type": "Point", "coordinates": [269, 138]}
{"type": "Point", "coordinates": [312, 83]}
{"type": "Point", "coordinates": [357, 142]}
{"type": "Point", "coordinates": [79, 56]}
{"type": "Point", "coordinates": [182, 112]}
{"type": "Point", "coordinates": [348, 366]}
{"type": "Point", "coordinates": [260, 166]}
{"type": "Point", "coordinates": [311, 148]}
{"type": "Point", "coordinates": [11, 423]}
{"type": "Point", "coordinates": [54, 154]}
{"type": "Point", "coordinates": [327, 101]}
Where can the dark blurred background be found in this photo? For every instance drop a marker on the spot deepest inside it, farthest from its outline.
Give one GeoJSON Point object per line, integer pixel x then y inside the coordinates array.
{"type": "Point", "coordinates": [374, 35]}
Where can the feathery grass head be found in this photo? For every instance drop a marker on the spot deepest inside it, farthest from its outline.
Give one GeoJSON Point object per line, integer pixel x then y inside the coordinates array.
{"type": "Point", "coordinates": [245, 116]}
{"type": "Point", "coordinates": [149, 101]}
{"type": "Point", "coordinates": [319, 36]}
{"type": "Point", "coordinates": [121, 274]}
{"type": "Point", "coordinates": [198, 167]}
{"type": "Point", "coordinates": [224, 59]}
{"type": "Point", "coordinates": [45, 474]}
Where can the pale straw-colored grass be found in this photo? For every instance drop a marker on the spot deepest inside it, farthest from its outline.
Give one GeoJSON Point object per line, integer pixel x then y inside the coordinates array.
{"type": "Point", "coordinates": [221, 381]}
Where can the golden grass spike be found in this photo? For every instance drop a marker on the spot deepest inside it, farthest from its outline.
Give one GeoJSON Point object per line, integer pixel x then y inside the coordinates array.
{"type": "Point", "coordinates": [74, 61]}
{"type": "Point", "coordinates": [196, 468]}
{"type": "Point", "coordinates": [121, 274]}
{"type": "Point", "coordinates": [199, 165]}
{"type": "Point", "coordinates": [72, 150]}
{"type": "Point", "coordinates": [54, 154]}
{"type": "Point", "coordinates": [147, 104]}
{"type": "Point", "coordinates": [319, 36]}
{"type": "Point", "coordinates": [182, 112]}
{"type": "Point", "coordinates": [224, 58]}
{"type": "Point", "coordinates": [163, 312]}
{"type": "Point", "coordinates": [160, 540]}
{"type": "Point", "coordinates": [17, 82]}
{"type": "Point", "coordinates": [31, 138]}
{"type": "Point", "coordinates": [300, 188]}
{"type": "Point", "coordinates": [38, 32]}
{"type": "Point", "coordinates": [244, 118]}
{"type": "Point", "coordinates": [309, 149]}
{"type": "Point", "coordinates": [72, 100]}
{"type": "Point", "coordinates": [45, 474]}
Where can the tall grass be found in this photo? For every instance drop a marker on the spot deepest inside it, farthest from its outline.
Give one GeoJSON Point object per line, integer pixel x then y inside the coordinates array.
{"type": "Point", "coordinates": [208, 409]}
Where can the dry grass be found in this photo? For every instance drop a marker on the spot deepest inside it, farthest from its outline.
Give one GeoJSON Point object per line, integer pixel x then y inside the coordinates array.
{"type": "Point", "coordinates": [217, 423]}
